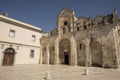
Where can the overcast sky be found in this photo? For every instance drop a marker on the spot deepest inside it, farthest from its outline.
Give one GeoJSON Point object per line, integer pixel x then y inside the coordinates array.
{"type": "Point", "coordinates": [43, 13]}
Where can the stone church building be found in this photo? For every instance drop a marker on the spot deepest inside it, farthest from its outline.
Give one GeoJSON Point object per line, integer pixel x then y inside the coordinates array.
{"type": "Point", "coordinates": [82, 41]}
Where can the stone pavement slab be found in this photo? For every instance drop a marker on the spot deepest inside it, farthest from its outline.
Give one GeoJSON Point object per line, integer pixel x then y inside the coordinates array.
{"type": "Point", "coordinates": [57, 72]}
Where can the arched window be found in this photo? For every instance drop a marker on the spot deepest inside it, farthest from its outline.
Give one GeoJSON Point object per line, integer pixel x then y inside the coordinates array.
{"type": "Point", "coordinates": [78, 27]}
{"type": "Point", "coordinates": [63, 30]}
{"type": "Point", "coordinates": [85, 27]}
{"type": "Point", "coordinates": [80, 46]}
{"type": "Point", "coordinates": [53, 48]}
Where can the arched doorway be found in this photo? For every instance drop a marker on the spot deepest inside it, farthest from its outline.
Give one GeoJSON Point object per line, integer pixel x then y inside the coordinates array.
{"type": "Point", "coordinates": [8, 56]}
{"type": "Point", "coordinates": [64, 52]}
{"type": "Point", "coordinates": [96, 54]}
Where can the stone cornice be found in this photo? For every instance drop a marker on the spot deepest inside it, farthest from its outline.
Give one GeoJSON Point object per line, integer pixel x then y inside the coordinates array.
{"type": "Point", "coordinates": [19, 44]}
{"type": "Point", "coordinates": [19, 23]}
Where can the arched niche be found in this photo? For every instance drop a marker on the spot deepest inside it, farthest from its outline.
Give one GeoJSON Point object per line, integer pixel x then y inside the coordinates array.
{"type": "Point", "coordinates": [96, 53]}
{"type": "Point", "coordinates": [81, 54]}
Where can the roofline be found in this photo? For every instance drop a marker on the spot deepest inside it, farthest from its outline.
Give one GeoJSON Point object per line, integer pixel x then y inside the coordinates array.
{"type": "Point", "coordinates": [19, 23]}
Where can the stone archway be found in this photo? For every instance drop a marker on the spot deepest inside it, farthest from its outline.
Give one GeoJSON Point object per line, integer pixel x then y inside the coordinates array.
{"type": "Point", "coordinates": [8, 56]}
{"type": "Point", "coordinates": [64, 51]}
{"type": "Point", "coordinates": [96, 54]}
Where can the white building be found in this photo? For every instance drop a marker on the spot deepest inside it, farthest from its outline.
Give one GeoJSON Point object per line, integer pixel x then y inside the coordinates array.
{"type": "Point", "coordinates": [19, 42]}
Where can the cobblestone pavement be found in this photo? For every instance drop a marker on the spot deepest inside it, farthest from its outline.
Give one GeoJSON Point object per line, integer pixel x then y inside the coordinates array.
{"type": "Point", "coordinates": [56, 72]}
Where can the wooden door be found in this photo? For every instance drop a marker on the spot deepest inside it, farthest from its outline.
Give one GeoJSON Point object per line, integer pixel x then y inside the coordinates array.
{"type": "Point", "coordinates": [8, 59]}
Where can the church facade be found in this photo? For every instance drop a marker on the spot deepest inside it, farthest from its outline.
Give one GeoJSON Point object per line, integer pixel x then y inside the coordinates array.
{"type": "Point", "coordinates": [82, 41]}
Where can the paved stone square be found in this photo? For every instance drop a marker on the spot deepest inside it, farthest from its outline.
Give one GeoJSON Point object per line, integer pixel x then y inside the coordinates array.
{"type": "Point", "coordinates": [57, 72]}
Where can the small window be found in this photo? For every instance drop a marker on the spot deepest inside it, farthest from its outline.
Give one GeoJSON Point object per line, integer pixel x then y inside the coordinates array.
{"type": "Point", "coordinates": [12, 33]}
{"type": "Point", "coordinates": [32, 53]}
{"type": "Point", "coordinates": [80, 46]}
{"type": "Point", "coordinates": [44, 48]}
{"type": "Point", "coordinates": [78, 28]}
{"type": "Point", "coordinates": [91, 37]}
{"type": "Point", "coordinates": [63, 30]}
{"type": "Point", "coordinates": [33, 37]}
{"type": "Point", "coordinates": [53, 48]}
{"type": "Point", "coordinates": [85, 27]}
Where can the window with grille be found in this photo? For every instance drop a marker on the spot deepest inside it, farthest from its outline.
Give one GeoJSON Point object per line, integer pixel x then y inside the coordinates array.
{"type": "Point", "coordinates": [33, 37]}
{"type": "Point", "coordinates": [32, 52]}
{"type": "Point", "coordinates": [12, 33]}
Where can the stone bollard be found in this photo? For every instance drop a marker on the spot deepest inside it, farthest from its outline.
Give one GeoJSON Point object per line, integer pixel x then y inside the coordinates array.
{"type": "Point", "coordinates": [47, 77]}
{"type": "Point", "coordinates": [86, 71]}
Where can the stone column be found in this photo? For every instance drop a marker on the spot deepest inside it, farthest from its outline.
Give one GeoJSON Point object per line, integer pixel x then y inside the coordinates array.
{"type": "Point", "coordinates": [88, 53]}
{"type": "Point", "coordinates": [73, 52]}
{"type": "Point", "coordinates": [103, 51]}
{"type": "Point", "coordinates": [48, 54]}
{"type": "Point", "coordinates": [41, 53]}
{"type": "Point", "coordinates": [56, 53]}
{"type": "Point", "coordinates": [116, 54]}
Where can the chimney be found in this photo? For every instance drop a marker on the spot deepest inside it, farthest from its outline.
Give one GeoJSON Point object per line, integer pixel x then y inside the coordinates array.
{"type": "Point", "coordinates": [5, 14]}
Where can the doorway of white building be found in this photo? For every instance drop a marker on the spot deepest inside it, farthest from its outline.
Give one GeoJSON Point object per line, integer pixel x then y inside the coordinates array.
{"type": "Point", "coordinates": [8, 57]}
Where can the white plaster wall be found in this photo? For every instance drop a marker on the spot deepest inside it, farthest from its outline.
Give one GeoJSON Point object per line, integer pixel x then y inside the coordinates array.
{"type": "Point", "coordinates": [22, 35]}
{"type": "Point", "coordinates": [23, 55]}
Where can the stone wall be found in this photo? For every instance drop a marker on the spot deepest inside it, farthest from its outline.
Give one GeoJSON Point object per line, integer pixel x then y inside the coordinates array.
{"type": "Point", "coordinates": [90, 42]}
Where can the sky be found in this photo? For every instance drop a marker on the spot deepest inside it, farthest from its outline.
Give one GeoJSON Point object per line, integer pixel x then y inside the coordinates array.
{"type": "Point", "coordinates": [43, 13]}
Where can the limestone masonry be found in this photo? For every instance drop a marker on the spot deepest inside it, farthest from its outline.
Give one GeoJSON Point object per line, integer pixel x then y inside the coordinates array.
{"type": "Point", "coordinates": [83, 41]}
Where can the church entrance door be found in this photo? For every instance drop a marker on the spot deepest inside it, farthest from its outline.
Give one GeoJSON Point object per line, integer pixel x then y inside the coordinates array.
{"type": "Point", "coordinates": [66, 58]}
{"type": "Point", "coordinates": [64, 52]}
